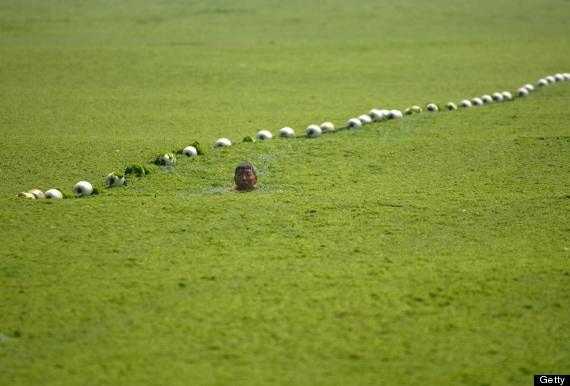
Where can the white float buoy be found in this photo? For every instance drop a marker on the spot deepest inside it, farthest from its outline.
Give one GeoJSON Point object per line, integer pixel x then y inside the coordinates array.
{"type": "Point", "coordinates": [376, 115]}
{"type": "Point", "coordinates": [497, 97]}
{"type": "Point", "coordinates": [27, 195]}
{"type": "Point", "coordinates": [54, 193]}
{"type": "Point", "coordinates": [114, 179]}
{"type": "Point", "coordinates": [190, 151]}
{"type": "Point", "coordinates": [327, 127]}
{"type": "Point", "coordinates": [432, 107]}
{"type": "Point", "coordinates": [354, 123]}
{"type": "Point", "coordinates": [385, 114]}
{"type": "Point", "coordinates": [522, 92]}
{"type": "Point", "coordinates": [313, 131]}
{"type": "Point", "coordinates": [222, 142]}
{"type": "Point", "coordinates": [286, 132]}
{"type": "Point", "coordinates": [413, 110]}
{"type": "Point", "coordinates": [37, 193]}
{"type": "Point", "coordinates": [83, 188]}
{"type": "Point", "coordinates": [395, 114]}
{"type": "Point", "coordinates": [507, 96]}
{"type": "Point", "coordinates": [263, 135]}
{"type": "Point", "coordinates": [166, 159]}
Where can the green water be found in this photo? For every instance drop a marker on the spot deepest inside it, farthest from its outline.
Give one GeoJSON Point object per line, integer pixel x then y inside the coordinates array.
{"type": "Point", "coordinates": [432, 250]}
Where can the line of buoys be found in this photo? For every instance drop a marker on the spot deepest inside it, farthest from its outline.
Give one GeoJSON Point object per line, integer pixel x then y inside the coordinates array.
{"type": "Point", "coordinates": [115, 179]}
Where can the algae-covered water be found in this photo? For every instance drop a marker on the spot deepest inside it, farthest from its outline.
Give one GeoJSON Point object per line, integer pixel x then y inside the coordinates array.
{"type": "Point", "coordinates": [433, 250]}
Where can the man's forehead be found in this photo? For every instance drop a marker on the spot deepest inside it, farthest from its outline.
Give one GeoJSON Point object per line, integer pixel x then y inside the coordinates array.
{"type": "Point", "coordinates": [245, 169]}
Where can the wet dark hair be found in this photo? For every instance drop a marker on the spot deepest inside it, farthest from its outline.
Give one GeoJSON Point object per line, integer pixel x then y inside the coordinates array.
{"type": "Point", "coordinates": [246, 166]}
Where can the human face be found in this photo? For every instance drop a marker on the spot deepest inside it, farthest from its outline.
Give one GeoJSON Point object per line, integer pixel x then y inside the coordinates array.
{"type": "Point", "coordinates": [245, 179]}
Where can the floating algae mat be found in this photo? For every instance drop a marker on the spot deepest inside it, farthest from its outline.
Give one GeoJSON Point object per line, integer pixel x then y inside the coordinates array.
{"type": "Point", "coordinates": [139, 170]}
{"type": "Point", "coordinates": [205, 192]}
{"type": "Point", "coordinates": [258, 189]}
{"type": "Point", "coordinates": [323, 279]}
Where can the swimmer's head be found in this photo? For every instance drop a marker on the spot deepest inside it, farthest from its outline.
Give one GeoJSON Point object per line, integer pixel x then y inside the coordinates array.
{"type": "Point", "coordinates": [245, 176]}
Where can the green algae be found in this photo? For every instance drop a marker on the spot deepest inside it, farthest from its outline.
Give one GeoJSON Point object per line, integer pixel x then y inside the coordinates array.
{"type": "Point", "coordinates": [427, 251]}
{"type": "Point", "coordinates": [201, 150]}
{"type": "Point", "coordinates": [67, 193]}
{"type": "Point", "coordinates": [138, 170]}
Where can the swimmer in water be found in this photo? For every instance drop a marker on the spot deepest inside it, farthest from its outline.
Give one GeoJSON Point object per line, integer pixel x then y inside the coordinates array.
{"type": "Point", "coordinates": [245, 178]}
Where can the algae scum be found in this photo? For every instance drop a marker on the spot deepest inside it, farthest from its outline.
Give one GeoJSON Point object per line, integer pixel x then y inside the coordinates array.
{"type": "Point", "coordinates": [432, 250]}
